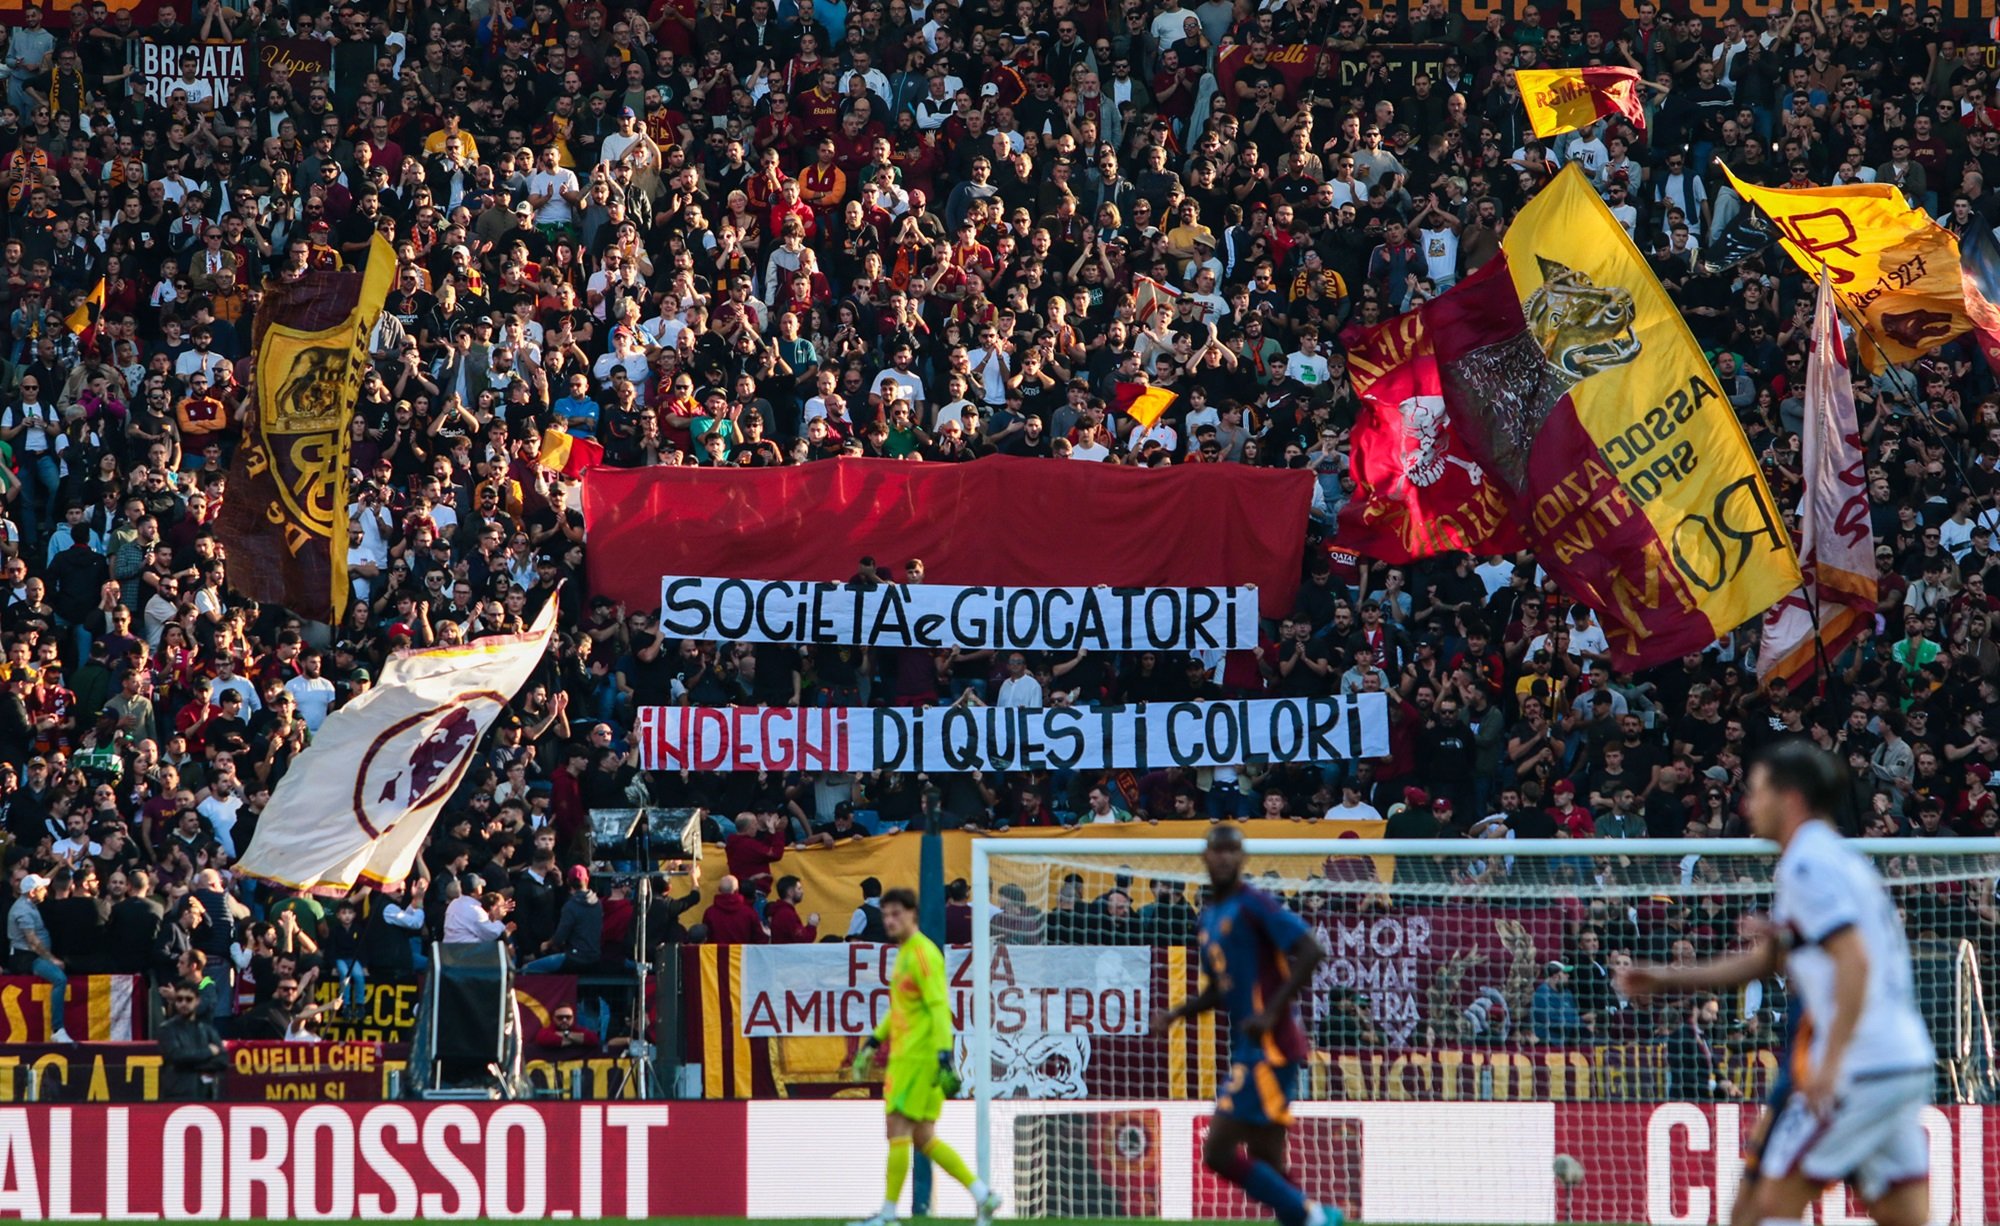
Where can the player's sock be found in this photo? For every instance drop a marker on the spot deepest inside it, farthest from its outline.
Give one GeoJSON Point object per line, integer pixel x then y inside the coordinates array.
{"type": "Point", "coordinates": [899, 1170]}
{"type": "Point", "coordinates": [1266, 1184]}
{"type": "Point", "coordinates": [947, 1157]}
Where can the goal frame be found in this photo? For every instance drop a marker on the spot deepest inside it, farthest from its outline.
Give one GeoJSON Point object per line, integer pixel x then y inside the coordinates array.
{"type": "Point", "coordinates": [983, 851]}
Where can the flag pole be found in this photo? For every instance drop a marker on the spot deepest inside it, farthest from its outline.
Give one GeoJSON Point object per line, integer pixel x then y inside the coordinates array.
{"type": "Point", "coordinates": [1810, 583]}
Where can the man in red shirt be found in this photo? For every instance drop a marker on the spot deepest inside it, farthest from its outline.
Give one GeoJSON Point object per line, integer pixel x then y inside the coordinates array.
{"type": "Point", "coordinates": [731, 920]}
{"type": "Point", "coordinates": [783, 915]}
{"type": "Point", "coordinates": [562, 1036]}
{"type": "Point", "coordinates": [759, 842]}
{"type": "Point", "coordinates": [566, 809]}
{"type": "Point", "coordinates": [200, 415]}
{"type": "Point", "coordinates": [818, 108]}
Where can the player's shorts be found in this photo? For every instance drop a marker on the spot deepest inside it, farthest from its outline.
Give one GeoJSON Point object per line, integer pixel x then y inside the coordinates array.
{"type": "Point", "coordinates": [1774, 1102]}
{"type": "Point", "coordinates": [912, 1089]}
{"type": "Point", "coordinates": [1873, 1139]}
{"type": "Point", "coordinates": [1259, 1092]}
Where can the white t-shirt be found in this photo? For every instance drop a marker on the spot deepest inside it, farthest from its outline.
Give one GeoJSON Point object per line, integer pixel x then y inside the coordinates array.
{"type": "Point", "coordinates": [1089, 451]}
{"type": "Point", "coordinates": [666, 333]}
{"type": "Point", "coordinates": [949, 412]}
{"type": "Point", "coordinates": [1588, 152]}
{"type": "Point", "coordinates": [1589, 639]}
{"type": "Point", "coordinates": [1495, 575]}
{"type": "Point", "coordinates": [1440, 247]}
{"type": "Point", "coordinates": [221, 815]}
{"type": "Point", "coordinates": [198, 91]}
{"type": "Point", "coordinates": [1309, 369]}
{"type": "Point", "coordinates": [1159, 432]}
{"type": "Point", "coordinates": [1167, 28]}
{"type": "Point", "coordinates": [314, 696]}
{"type": "Point", "coordinates": [893, 384]}
{"type": "Point", "coordinates": [617, 143]}
{"type": "Point", "coordinates": [195, 360]}
{"type": "Point", "coordinates": [1822, 887]}
{"type": "Point", "coordinates": [993, 389]}
{"type": "Point", "coordinates": [1362, 812]}
{"type": "Point", "coordinates": [554, 211]}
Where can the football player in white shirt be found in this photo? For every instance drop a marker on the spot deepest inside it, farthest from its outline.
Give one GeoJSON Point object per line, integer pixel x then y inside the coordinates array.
{"type": "Point", "coordinates": [1859, 1090]}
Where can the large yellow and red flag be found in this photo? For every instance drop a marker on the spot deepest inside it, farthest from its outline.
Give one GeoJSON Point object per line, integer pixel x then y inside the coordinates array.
{"type": "Point", "coordinates": [1564, 99]}
{"type": "Point", "coordinates": [1569, 374]}
{"type": "Point", "coordinates": [1836, 603]}
{"type": "Point", "coordinates": [1894, 271]}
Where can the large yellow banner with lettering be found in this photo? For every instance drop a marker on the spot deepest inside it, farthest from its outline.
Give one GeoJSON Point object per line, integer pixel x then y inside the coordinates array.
{"type": "Point", "coordinates": [831, 876]}
{"type": "Point", "coordinates": [1570, 374]}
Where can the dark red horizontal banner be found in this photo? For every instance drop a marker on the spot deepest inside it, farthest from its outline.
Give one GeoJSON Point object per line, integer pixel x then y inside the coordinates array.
{"type": "Point", "coordinates": [1000, 520]}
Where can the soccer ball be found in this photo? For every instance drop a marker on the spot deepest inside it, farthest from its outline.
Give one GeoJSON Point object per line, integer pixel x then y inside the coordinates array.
{"type": "Point", "coordinates": [1568, 1171]}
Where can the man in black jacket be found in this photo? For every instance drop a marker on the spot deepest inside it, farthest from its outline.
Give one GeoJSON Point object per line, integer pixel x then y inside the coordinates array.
{"type": "Point", "coordinates": [136, 916]}
{"type": "Point", "coordinates": [191, 1051]}
{"type": "Point", "coordinates": [17, 738]}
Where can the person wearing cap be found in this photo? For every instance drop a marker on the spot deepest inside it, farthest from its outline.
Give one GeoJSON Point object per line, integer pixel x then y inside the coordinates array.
{"type": "Point", "coordinates": [28, 937]}
{"type": "Point", "coordinates": [1553, 1017]}
{"type": "Point", "coordinates": [630, 146]}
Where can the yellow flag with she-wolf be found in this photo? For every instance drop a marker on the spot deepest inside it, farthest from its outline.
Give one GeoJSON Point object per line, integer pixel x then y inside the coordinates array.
{"type": "Point", "coordinates": [1893, 269]}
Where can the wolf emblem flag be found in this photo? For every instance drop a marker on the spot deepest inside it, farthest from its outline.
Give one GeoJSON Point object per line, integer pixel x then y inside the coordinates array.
{"type": "Point", "coordinates": [357, 806]}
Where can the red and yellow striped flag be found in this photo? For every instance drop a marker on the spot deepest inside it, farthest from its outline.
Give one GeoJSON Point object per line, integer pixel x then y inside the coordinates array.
{"type": "Point", "coordinates": [567, 453]}
{"type": "Point", "coordinates": [1565, 99]}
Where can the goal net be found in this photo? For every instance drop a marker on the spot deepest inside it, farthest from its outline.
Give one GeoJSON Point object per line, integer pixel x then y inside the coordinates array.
{"type": "Point", "coordinates": [1473, 1060]}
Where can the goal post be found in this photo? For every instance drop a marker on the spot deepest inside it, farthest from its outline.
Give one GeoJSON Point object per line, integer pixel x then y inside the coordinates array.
{"type": "Point", "coordinates": [1465, 1005]}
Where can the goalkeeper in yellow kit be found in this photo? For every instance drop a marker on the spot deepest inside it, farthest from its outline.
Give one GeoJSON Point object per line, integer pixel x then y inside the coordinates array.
{"type": "Point", "coordinates": [920, 1075]}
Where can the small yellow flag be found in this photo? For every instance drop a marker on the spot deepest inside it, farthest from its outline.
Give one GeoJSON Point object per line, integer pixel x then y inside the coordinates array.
{"type": "Point", "coordinates": [80, 318]}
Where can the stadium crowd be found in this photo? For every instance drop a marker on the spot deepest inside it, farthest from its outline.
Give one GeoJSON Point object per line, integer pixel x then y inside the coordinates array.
{"type": "Point", "coordinates": [762, 235]}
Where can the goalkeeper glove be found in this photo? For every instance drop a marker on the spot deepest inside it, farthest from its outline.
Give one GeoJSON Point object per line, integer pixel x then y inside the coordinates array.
{"type": "Point", "coordinates": [863, 1057]}
{"type": "Point", "coordinates": [947, 1075]}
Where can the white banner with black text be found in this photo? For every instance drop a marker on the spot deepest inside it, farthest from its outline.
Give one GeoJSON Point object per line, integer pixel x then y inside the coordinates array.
{"type": "Point", "coordinates": [844, 989]}
{"type": "Point", "coordinates": [957, 738]}
{"type": "Point", "coordinates": [974, 618]}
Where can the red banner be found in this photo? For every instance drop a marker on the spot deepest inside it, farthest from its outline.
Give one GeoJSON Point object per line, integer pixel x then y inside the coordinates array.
{"type": "Point", "coordinates": [276, 1072]}
{"type": "Point", "coordinates": [96, 1008]}
{"type": "Point", "coordinates": [1419, 969]}
{"type": "Point", "coordinates": [1296, 62]}
{"type": "Point", "coordinates": [470, 1160]}
{"type": "Point", "coordinates": [997, 521]}
{"type": "Point", "coordinates": [1417, 491]}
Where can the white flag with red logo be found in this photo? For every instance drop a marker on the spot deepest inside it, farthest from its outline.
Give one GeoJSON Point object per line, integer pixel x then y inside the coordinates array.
{"type": "Point", "coordinates": [1836, 602]}
{"type": "Point", "coordinates": [1150, 298]}
{"type": "Point", "coordinates": [357, 803]}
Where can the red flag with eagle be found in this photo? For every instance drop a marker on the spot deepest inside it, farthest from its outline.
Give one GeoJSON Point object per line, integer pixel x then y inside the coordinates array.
{"type": "Point", "coordinates": [1835, 603]}
{"type": "Point", "coordinates": [357, 805]}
